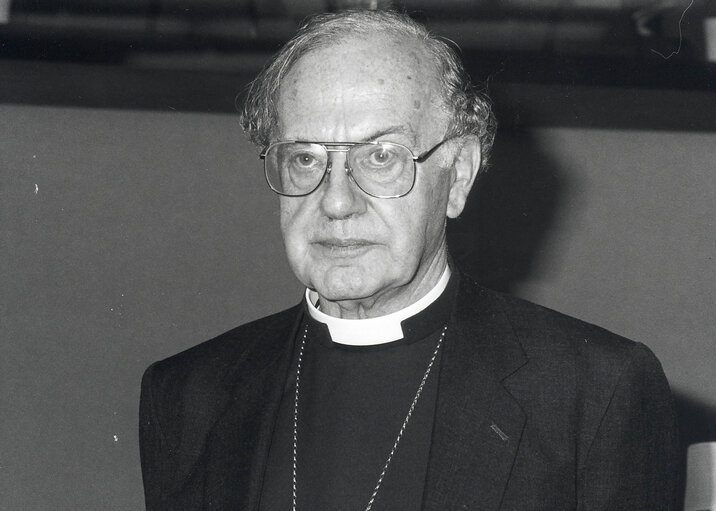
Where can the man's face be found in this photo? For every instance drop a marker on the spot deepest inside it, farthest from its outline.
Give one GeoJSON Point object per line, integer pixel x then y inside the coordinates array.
{"type": "Point", "coordinates": [355, 250]}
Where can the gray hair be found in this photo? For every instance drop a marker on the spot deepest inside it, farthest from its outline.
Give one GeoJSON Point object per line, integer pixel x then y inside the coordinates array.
{"type": "Point", "coordinates": [469, 107]}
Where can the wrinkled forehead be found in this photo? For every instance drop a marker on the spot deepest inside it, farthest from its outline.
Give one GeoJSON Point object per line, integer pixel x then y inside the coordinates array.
{"type": "Point", "coordinates": [361, 82]}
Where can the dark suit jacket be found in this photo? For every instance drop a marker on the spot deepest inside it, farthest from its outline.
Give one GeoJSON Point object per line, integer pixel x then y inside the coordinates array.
{"type": "Point", "coordinates": [535, 410]}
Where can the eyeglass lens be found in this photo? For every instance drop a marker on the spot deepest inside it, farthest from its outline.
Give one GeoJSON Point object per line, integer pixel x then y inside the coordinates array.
{"type": "Point", "coordinates": [381, 169]}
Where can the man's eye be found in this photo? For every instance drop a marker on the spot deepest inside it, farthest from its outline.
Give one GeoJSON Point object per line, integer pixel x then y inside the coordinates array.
{"type": "Point", "coordinates": [380, 158]}
{"type": "Point", "coordinates": [304, 160]}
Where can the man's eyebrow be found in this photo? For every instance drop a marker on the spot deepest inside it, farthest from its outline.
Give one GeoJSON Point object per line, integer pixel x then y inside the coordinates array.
{"type": "Point", "coordinates": [391, 130]}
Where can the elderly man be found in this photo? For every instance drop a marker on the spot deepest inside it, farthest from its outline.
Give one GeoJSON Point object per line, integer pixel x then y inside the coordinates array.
{"type": "Point", "coordinates": [397, 383]}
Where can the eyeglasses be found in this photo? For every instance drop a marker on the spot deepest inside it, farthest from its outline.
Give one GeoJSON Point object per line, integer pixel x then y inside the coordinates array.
{"type": "Point", "coordinates": [384, 170]}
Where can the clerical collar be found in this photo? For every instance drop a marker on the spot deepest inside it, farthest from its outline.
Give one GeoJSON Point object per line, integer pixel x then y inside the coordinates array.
{"type": "Point", "coordinates": [372, 331]}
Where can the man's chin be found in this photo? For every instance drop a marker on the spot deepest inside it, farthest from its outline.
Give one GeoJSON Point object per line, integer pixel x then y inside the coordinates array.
{"type": "Point", "coordinates": [342, 293]}
{"type": "Point", "coordinates": [345, 284]}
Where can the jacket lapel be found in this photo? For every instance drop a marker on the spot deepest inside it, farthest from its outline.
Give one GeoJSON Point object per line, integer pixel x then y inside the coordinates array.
{"type": "Point", "coordinates": [238, 444]}
{"type": "Point", "coordinates": [478, 424]}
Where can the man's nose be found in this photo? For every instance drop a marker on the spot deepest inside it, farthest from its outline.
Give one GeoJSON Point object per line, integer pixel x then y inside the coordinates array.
{"type": "Point", "coordinates": [340, 197]}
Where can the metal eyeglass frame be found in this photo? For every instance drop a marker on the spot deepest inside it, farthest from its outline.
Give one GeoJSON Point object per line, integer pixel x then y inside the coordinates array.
{"type": "Point", "coordinates": [345, 147]}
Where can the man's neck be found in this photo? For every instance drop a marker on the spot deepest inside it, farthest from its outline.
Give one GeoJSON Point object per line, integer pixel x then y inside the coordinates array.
{"type": "Point", "coordinates": [376, 330]}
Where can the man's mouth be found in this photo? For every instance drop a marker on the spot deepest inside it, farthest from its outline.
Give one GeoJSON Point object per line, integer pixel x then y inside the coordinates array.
{"type": "Point", "coordinates": [343, 246]}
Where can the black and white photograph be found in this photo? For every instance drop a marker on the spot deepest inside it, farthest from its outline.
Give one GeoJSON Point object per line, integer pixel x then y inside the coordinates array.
{"type": "Point", "coordinates": [347, 255]}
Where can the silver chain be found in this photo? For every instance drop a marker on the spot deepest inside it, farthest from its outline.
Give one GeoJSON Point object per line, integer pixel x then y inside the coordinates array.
{"type": "Point", "coordinates": [400, 433]}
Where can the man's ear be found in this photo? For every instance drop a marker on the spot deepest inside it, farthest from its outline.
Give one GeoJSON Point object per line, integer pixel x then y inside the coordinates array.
{"type": "Point", "coordinates": [465, 169]}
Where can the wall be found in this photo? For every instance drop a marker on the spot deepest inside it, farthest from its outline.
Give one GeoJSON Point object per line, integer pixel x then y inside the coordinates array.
{"type": "Point", "coordinates": [128, 235]}
{"type": "Point", "coordinates": [632, 246]}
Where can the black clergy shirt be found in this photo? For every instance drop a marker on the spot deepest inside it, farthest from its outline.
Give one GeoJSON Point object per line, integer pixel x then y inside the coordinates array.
{"type": "Point", "coordinates": [352, 403]}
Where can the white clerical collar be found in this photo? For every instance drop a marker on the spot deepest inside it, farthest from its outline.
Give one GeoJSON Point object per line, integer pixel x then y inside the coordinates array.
{"type": "Point", "coordinates": [371, 331]}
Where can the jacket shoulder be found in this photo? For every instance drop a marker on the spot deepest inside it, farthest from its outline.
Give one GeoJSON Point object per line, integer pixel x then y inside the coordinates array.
{"type": "Point", "coordinates": [194, 382]}
{"type": "Point", "coordinates": [541, 329]}
{"type": "Point", "coordinates": [216, 355]}
{"type": "Point", "coordinates": [558, 344]}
